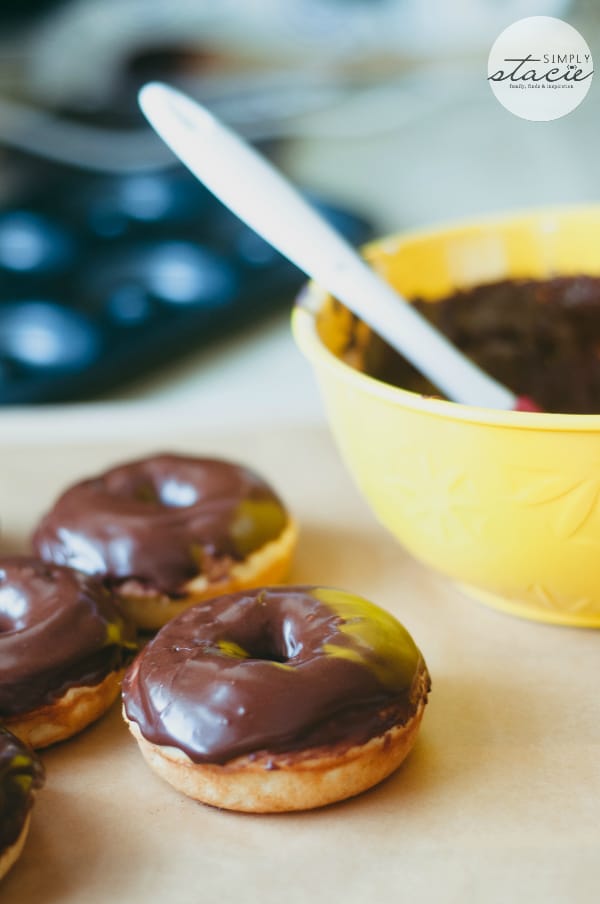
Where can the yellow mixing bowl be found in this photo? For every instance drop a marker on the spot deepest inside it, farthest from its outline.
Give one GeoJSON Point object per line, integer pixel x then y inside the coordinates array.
{"type": "Point", "coordinates": [505, 503]}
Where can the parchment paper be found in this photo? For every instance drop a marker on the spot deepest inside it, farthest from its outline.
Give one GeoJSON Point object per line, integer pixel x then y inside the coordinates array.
{"type": "Point", "coordinates": [499, 801]}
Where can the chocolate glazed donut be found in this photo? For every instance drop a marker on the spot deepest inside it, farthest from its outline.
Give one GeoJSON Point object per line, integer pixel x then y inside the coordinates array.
{"type": "Point", "coordinates": [277, 699]}
{"type": "Point", "coordinates": [169, 531]}
{"type": "Point", "coordinates": [21, 775]}
{"type": "Point", "coordinates": [63, 647]}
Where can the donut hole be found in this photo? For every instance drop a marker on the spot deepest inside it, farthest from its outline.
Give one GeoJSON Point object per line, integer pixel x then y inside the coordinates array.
{"type": "Point", "coordinates": [267, 650]}
{"type": "Point", "coordinates": [169, 493]}
{"type": "Point", "coordinates": [145, 491]}
{"type": "Point", "coordinates": [268, 643]}
{"type": "Point", "coordinates": [156, 487]}
{"type": "Point", "coordinates": [262, 647]}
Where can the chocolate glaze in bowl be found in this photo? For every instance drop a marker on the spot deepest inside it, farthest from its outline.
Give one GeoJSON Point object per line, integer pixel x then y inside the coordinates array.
{"type": "Point", "coordinates": [506, 503]}
{"type": "Point", "coordinates": [540, 338]}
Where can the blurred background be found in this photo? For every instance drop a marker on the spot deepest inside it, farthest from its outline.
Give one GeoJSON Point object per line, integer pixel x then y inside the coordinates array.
{"type": "Point", "coordinates": [123, 283]}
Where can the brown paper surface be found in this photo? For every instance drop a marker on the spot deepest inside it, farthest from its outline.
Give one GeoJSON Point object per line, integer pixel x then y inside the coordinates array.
{"type": "Point", "coordinates": [499, 801]}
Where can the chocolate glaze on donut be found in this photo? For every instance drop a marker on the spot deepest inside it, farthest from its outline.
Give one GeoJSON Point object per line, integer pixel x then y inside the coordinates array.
{"type": "Point", "coordinates": [279, 669]}
{"type": "Point", "coordinates": [161, 521]}
{"type": "Point", "coordinates": [21, 772]}
{"type": "Point", "coordinates": [58, 629]}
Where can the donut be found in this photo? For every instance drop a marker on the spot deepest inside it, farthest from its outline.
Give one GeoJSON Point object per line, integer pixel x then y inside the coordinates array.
{"type": "Point", "coordinates": [21, 775]}
{"type": "Point", "coordinates": [169, 531]}
{"type": "Point", "coordinates": [64, 645]}
{"type": "Point", "coordinates": [277, 699]}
